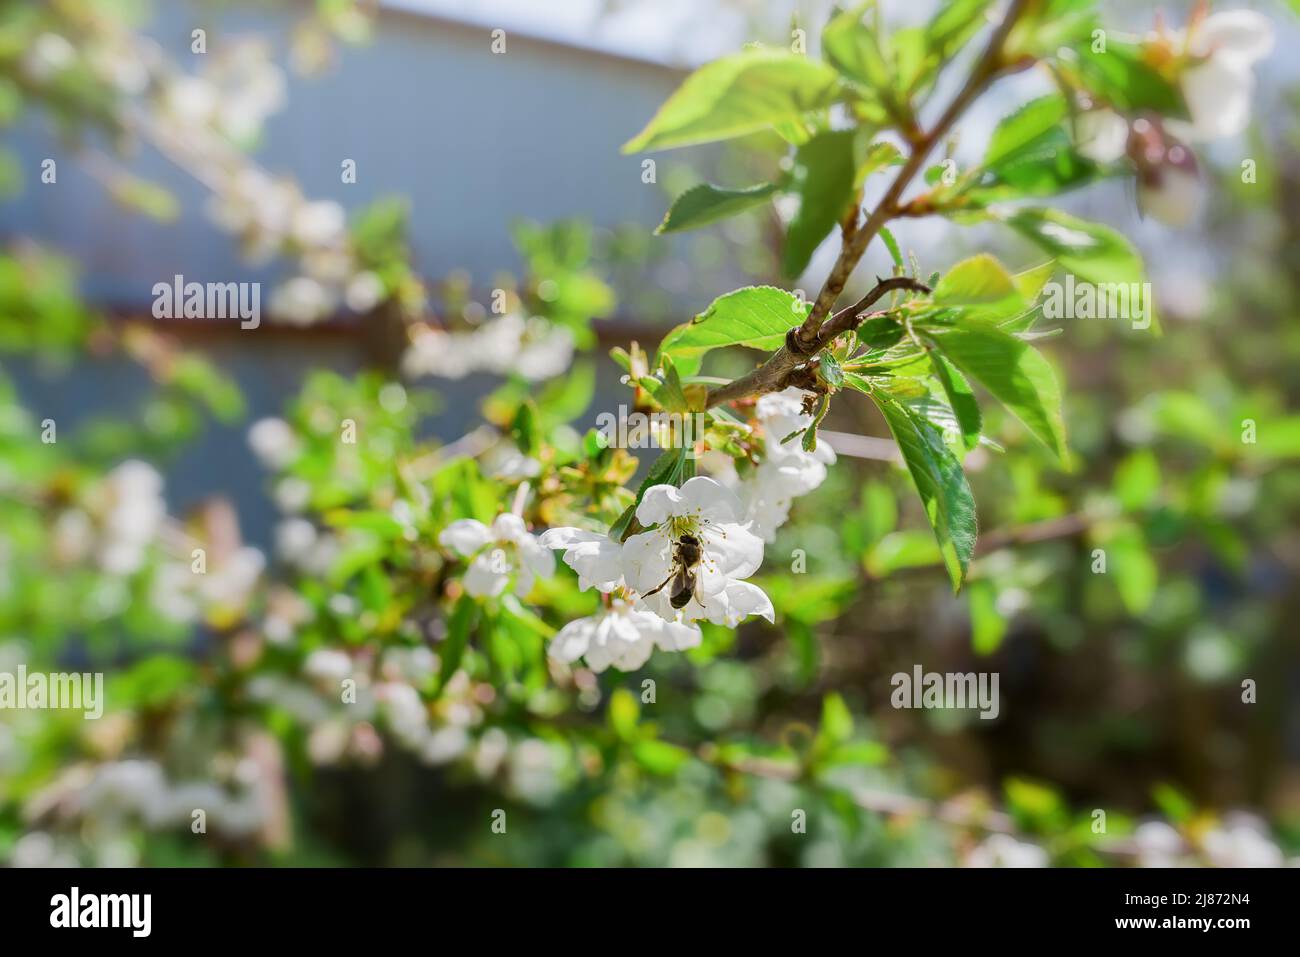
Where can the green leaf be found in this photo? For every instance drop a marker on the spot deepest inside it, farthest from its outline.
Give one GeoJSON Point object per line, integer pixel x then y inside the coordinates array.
{"type": "Point", "coordinates": [1094, 253]}
{"type": "Point", "coordinates": [1137, 480]}
{"type": "Point", "coordinates": [1173, 803]}
{"type": "Point", "coordinates": [1014, 372]}
{"type": "Point", "coordinates": [837, 723]}
{"type": "Point", "coordinates": [1121, 78]}
{"type": "Point", "coordinates": [891, 244]}
{"type": "Point", "coordinates": [878, 156]}
{"type": "Point", "coordinates": [824, 171]}
{"type": "Point", "coordinates": [756, 316]}
{"type": "Point", "coordinates": [736, 95]}
{"type": "Point", "coordinates": [525, 428]}
{"type": "Point", "coordinates": [902, 549]}
{"type": "Point", "coordinates": [1030, 282]}
{"type": "Point", "coordinates": [1050, 25]}
{"type": "Point", "coordinates": [666, 470]}
{"type": "Point", "coordinates": [660, 757]}
{"type": "Point", "coordinates": [879, 333]}
{"type": "Point", "coordinates": [624, 715]}
{"type": "Point", "coordinates": [1024, 127]}
{"type": "Point", "coordinates": [857, 754]}
{"type": "Point", "coordinates": [939, 479]}
{"type": "Point", "coordinates": [452, 649]}
{"type": "Point", "coordinates": [960, 397]}
{"type": "Point", "coordinates": [1036, 807]}
{"type": "Point", "coordinates": [829, 369]}
{"type": "Point", "coordinates": [669, 392]}
{"type": "Point", "coordinates": [704, 204]}
{"type": "Point", "coordinates": [809, 441]}
{"type": "Point", "coordinates": [1130, 565]}
{"type": "Point", "coordinates": [953, 25]}
{"type": "Point", "coordinates": [980, 280]}
{"type": "Point", "coordinates": [1046, 167]}
{"type": "Point", "coordinates": [987, 626]}
{"type": "Point", "coordinates": [853, 48]}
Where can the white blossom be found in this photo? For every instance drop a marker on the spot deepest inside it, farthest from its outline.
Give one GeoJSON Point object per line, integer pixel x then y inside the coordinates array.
{"type": "Point", "coordinates": [498, 555]}
{"type": "Point", "coordinates": [623, 635]}
{"type": "Point", "coordinates": [596, 557]}
{"type": "Point", "coordinates": [225, 586]}
{"type": "Point", "coordinates": [1158, 844]}
{"type": "Point", "coordinates": [134, 515]}
{"type": "Point", "coordinates": [328, 666]}
{"type": "Point", "coordinates": [730, 552]}
{"type": "Point", "coordinates": [506, 462]}
{"type": "Point", "coordinates": [364, 291]}
{"type": "Point", "coordinates": [301, 301]}
{"type": "Point", "coordinates": [786, 470]}
{"type": "Point", "coordinates": [546, 355]}
{"type": "Point", "coordinates": [273, 442]}
{"type": "Point", "coordinates": [319, 223]}
{"type": "Point", "coordinates": [1002, 850]}
{"type": "Point", "coordinates": [1101, 135]}
{"type": "Point", "coordinates": [533, 348]}
{"type": "Point", "coordinates": [1241, 840]}
{"type": "Point", "coordinates": [790, 468]}
{"type": "Point", "coordinates": [1219, 85]}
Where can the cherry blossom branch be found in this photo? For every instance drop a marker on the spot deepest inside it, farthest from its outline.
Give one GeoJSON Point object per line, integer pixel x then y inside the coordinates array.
{"type": "Point", "coordinates": [781, 369]}
{"type": "Point", "coordinates": [807, 339]}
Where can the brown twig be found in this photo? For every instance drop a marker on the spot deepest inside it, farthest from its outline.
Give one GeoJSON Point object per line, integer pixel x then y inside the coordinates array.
{"type": "Point", "coordinates": [784, 368]}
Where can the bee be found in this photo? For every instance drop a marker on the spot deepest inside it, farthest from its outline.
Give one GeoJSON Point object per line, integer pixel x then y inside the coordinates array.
{"type": "Point", "coordinates": [687, 555]}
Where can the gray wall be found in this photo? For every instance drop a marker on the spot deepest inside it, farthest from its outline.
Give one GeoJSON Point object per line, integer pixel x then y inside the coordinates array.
{"type": "Point", "coordinates": [475, 140]}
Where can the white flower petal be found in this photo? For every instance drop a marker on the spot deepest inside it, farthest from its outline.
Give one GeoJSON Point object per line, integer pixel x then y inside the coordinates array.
{"type": "Point", "coordinates": [737, 602]}
{"type": "Point", "coordinates": [509, 527]}
{"type": "Point", "coordinates": [536, 558]}
{"type": "Point", "coordinates": [660, 605]}
{"type": "Point", "coordinates": [596, 558]}
{"type": "Point", "coordinates": [1242, 35]}
{"type": "Point", "coordinates": [1218, 94]}
{"type": "Point", "coordinates": [659, 503]}
{"type": "Point", "coordinates": [766, 512]}
{"type": "Point", "coordinates": [482, 581]}
{"type": "Point", "coordinates": [647, 559]}
{"type": "Point", "coordinates": [573, 640]}
{"type": "Point", "coordinates": [464, 536]}
{"type": "Point", "coordinates": [633, 656]}
{"type": "Point", "coordinates": [524, 579]}
{"type": "Point", "coordinates": [710, 499]}
{"type": "Point", "coordinates": [673, 635]}
{"type": "Point", "coordinates": [567, 537]}
{"type": "Point", "coordinates": [736, 550]}
{"type": "Point", "coordinates": [1102, 136]}
{"type": "Point", "coordinates": [700, 497]}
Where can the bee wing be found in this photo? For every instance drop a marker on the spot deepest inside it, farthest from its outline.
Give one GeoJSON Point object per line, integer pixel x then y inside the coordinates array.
{"type": "Point", "coordinates": [680, 581]}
